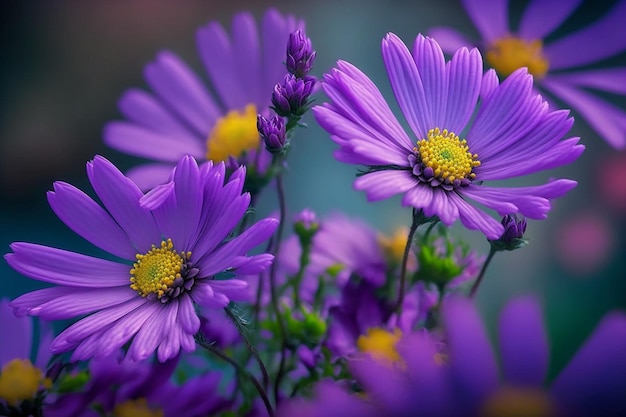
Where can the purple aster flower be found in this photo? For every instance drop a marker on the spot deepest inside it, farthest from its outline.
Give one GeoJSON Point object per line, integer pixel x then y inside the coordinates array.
{"type": "Point", "coordinates": [442, 163]}
{"type": "Point", "coordinates": [464, 378]}
{"type": "Point", "coordinates": [556, 65]}
{"type": "Point", "coordinates": [21, 381]}
{"type": "Point", "coordinates": [273, 133]}
{"type": "Point", "coordinates": [300, 54]}
{"type": "Point", "coordinates": [174, 244]}
{"type": "Point", "coordinates": [182, 117]}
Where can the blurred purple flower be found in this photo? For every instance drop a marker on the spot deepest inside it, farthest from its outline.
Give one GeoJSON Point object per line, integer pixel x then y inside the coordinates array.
{"type": "Point", "coordinates": [512, 134]}
{"type": "Point", "coordinates": [508, 50]}
{"type": "Point", "coordinates": [20, 379]}
{"type": "Point", "coordinates": [175, 235]}
{"type": "Point", "coordinates": [465, 378]}
{"type": "Point", "coordinates": [183, 118]}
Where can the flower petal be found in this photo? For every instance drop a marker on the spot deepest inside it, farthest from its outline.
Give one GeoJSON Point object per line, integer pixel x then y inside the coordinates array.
{"type": "Point", "coordinates": [66, 268]}
{"type": "Point", "coordinates": [489, 16]}
{"type": "Point", "coordinates": [464, 75]}
{"type": "Point", "coordinates": [431, 67]}
{"type": "Point", "coordinates": [383, 184]}
{"type": "Point", "coordinates": [148, 176]}
{"type": "Point", "coordinates": [449, 39]}
{"type": "Point", "coordinates": [523, 343]}
{"type": "Point", "coordinates": [542, 17]}
{"type": "Point", "coordinates": [89, 220]}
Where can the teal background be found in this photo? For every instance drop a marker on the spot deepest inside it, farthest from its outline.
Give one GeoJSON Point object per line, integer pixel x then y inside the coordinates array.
{"type": "Point", "coordinates": [65, 64]}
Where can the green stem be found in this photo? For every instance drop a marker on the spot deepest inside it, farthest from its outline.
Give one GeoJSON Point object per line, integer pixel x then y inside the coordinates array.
{"type": "Point", "coordinates": [492, 251]}
{"type": "Point", "coordinates": [242, 331]}
{"type": "Point", "coordinates": [417, 217]}
{"type": "Point", "coordinates": [208, 346]}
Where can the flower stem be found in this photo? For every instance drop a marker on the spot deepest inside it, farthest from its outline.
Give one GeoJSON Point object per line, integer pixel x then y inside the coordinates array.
{"type": "Point", "coordinates": [417, 219]}
{"type": "Point", "coordinates": [242, 331]}
{"type": "Point", "coordinates": [273, 287]}
{"type": "Point", "coordinates": [492, 251]}
{"type": "Point", "coordinates": [209, 346]}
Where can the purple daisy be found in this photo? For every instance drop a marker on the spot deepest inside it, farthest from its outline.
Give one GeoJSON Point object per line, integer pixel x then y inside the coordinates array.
{"type": "Point", "coordinates": [465, 378]}
{"type": "Point", "coordinates": [554, 65]}
{"type": "Point", "coordinates": [183, 117]}
{"type": "Point", "coordinates": [174, 244]}
{"type": "Point", "coordinates": [512, 133]}
{"type": "Point", "coordinates": [21, 380]}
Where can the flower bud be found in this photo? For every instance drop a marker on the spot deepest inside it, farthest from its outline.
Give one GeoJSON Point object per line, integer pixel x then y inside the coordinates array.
{"type": "Point", "coordinates": [291, 96]}
{"type": "Point", "coordinates": [300, 54]}
{"type": "Point", "coordinates": [273, 133]}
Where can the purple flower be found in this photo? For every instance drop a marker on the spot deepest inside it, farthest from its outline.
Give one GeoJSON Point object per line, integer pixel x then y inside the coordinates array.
{"type": "Point", "coordinates": [300, 54]}
{"type": "Point", "coordinates": [513, 236]}
{"type": "Point", "coordinates": [465, 379]}
{"type": "Point", "coordinates": [173, 248]}
{"type": "Point", "coordinates": [291, 96]}
{"type": "Point", "coordinates": [273, 133]}
{"type": "Point", "coordinates": [182, 117]}
{"type": "Point", "coordinates": [21, 380]}
{"type": "Point", "coordinates": [512, 134]}
{"type": "Point", "coordinates": [507, 50]}
{"type": "Point", "coordinates": [123, 388]}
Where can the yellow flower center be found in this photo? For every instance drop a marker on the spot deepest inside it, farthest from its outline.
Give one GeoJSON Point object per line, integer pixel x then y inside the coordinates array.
{"type": "Point", "coordinates": [518, 402]}
{"type": "Point", "coordinates": [381, 344]}
{"type": "Point", "coordinates": [507, 54]}
{"type": "Point", "coordinates": [447, 155]}
{"type": "Point", "coordinates": [136, 408]}
{"type": "Point", "coordinates": [441, 359]}
{"type": "Point", "coordinates": [20, 380]}
{"type": "Point", "coordinates": [233, 135]}
{"type": "Point", "coordinates": [393, 245]}
{"type": "Point", "coordinates": [156, 271]}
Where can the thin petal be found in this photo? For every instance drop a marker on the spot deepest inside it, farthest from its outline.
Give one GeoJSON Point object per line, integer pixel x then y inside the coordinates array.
{"type": "Point", "coordinates": [121, 198]}
{"type": "Point", "coordinates": [247, 57]}
{"type": "Point", "coordinates": [66, 268]}
{"type": "Point", "coordinates": [234, 289]}
{"type": "Point", "coordinates": [431, 66]}
{"type": "Point", "coordinates": [89, 220]}
{"type": "Point", "coordinates": [583, 47]}
{"type": "Point", "coordinates": [383, 184]}
{"type": "Point", "coordinates": [475, 219]}
{"type": "Point", "coordinates": [607, 79]}
{"type": "Point", "coordinates": [593, 383]}
{"type": "Point", "coordinates": [178, 86]}
{"type": "Point", "coordinates": [609, 121]}
{"type": "Point", "coordinates": [490, 17]}
{"type": "Point", "coordinates": [449, 39]}
{"type": "Point", "coordinates": [472, 361]}
{"type": "Point", "coordinates": [147, 143]}
{"type": "Point", "coordinates": [464, 75]}
{"type": "Point", "coordinates": [523, 343]}
{"type": "Point", "coordinates": [542, 17]}
{"type": "Point", "coordinates": [148, 176]}
{"type": "Point", "coordinates": [406, 84]}
{"type": "Point", "coordinates": [21, 331]}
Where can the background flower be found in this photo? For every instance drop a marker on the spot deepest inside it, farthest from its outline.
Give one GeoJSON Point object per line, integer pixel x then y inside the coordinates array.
{"type": "Point", "coordinates": [506, 49]}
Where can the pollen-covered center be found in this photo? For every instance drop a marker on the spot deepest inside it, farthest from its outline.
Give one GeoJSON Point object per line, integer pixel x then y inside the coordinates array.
{"type": "Point", "coordinates": [507, 54]}
{"type": "Point", "coordinates": [136, 408]}
{"type": "Point", "coordinates": [233, 135]}
{"type": "Point", "coordinates": [380, 344]}
{"type": "Point", "coordinates": [443, 159]}
{"type": "Point", "coordinates": [511, 401]}
{"type": "Point", "coordinates": [162, 272]}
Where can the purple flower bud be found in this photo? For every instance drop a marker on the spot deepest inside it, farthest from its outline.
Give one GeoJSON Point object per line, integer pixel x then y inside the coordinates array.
{"type": "Point", "coordinates": [273, 133]}
{"type": "Point", "coordinates": [300, 54]}
{"type": "Point", "coordinates": [307, 217]}
{"type": "Point", "coordinates": [514, 229]}
{"type": "Point", "coordinates": [291, 96]}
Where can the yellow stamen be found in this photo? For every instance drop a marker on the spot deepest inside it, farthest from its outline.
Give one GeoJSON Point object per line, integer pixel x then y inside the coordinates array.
{"type": "Point", "coordinates": [20, 380]}
{"type": "Point", "coordinates": [518, 402]}
{"type": "Point", "coordinates": [381, 344]}
{"type": "Point", "coordinates": [156, 271]}
{"type": "Point", "coordinates": [233, 135]}
{"type": "Point", "coordinates": [441, 358]}
{"type": "Point", "coordinates": [447, 155]}
{"type": "Point", "coordinates": [507, 54]}
{"type": "Point", "coordinates": [136, 408]}
{"type": "Point", "coordinates": [394, 245]}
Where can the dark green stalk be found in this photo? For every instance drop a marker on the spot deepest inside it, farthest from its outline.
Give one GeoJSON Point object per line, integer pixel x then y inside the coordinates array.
{"type": "Point", "coordinates": [492, 251]}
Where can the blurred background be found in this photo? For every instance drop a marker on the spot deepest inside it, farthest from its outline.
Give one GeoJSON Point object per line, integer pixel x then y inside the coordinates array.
{"type": "Point", "coordinates": [65, 64]}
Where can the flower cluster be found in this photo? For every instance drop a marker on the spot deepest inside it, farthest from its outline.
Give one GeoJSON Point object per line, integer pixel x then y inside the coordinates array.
{"type": "Point", "coordinates": [197, 308]}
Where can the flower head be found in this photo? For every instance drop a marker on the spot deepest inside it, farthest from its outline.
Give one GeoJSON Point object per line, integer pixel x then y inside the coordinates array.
{"type": "Point", "coordinates": [174, 244]}
{"type": "Point", "coordinates": [555, 64]}
{"type": "Point", "coordinates": [300, 54]}
{"type": "Point", "coordinates": [513, 236]}
{"type": "Point", "coordinates": [182, 117]}
{"type": "Point", "coordinates": [452, 148]}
